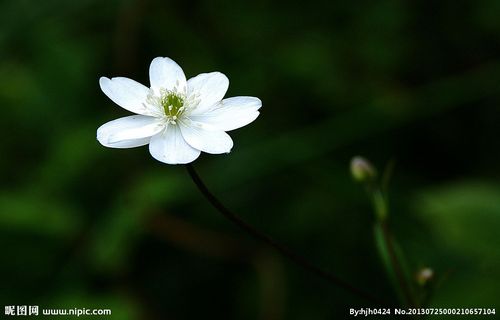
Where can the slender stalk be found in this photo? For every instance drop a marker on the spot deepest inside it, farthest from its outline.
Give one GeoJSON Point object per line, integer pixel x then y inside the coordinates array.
{"type": "Point", "coordinates": [285, 251]}
{"type": "Point", "coordinates": [380, 207]}
{"type": "Point", "coordinates": [396, 265]}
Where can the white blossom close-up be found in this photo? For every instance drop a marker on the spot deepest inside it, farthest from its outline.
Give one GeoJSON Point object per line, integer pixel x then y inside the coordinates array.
{"type": "Point", "coordinates": [178, 118]}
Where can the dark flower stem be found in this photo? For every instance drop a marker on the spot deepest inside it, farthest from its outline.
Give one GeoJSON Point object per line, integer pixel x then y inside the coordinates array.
{"type": "Point", "coordinates": [285, 251]}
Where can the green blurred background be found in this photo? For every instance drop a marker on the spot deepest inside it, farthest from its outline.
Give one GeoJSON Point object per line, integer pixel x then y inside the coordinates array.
{"type": "Point", "coordinates": [413, 82]}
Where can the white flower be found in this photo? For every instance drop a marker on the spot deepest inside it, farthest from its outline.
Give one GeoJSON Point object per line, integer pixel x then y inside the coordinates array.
{"type": "Point", "coordinates": [177, 118]}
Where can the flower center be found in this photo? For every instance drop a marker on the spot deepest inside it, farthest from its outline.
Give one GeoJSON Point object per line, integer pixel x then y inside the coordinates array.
{"type": "Point", "coordinates": [173, 104]}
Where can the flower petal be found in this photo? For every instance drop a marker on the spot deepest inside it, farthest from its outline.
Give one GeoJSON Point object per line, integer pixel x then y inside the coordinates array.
{"type": "Point", "coordinates": [231, 113]}
{"type": "Point", "coordinates": [170, 147]}
{"type": "Point", "coordinates": [127, 93]}
{"type": "Point", "coordinates": [208, 88]}
{"type": "Point", "coordinates": [204, 138]}
{"type": "Point", "coordinates": [133, 143]}
{"type": "Point", "coordinates": [128, 132]}
{"type": "Point", "coordinates": [166, 73]}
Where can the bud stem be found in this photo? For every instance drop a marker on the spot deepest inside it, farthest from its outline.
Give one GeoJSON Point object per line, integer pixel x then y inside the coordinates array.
{"type": "Point", "coordinates": [379, 204]}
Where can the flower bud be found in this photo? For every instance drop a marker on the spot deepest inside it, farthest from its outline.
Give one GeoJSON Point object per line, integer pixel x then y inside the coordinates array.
{"type": "Point", "coordinates": [362, 170]}
{"type": "Point", "coordinates": [424, 275]}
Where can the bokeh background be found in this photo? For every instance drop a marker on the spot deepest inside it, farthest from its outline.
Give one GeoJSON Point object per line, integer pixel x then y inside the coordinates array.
{"type": "Point", "coordinates": [416, 83]}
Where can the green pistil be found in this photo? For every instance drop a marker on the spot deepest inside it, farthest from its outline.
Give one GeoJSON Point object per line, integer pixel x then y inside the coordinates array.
{"type": "Point", "coordinates": [173, 104]}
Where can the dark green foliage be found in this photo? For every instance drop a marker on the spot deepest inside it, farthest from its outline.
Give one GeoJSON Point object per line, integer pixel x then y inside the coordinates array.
{"type": "Point", "coordinates": [417, 82]}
